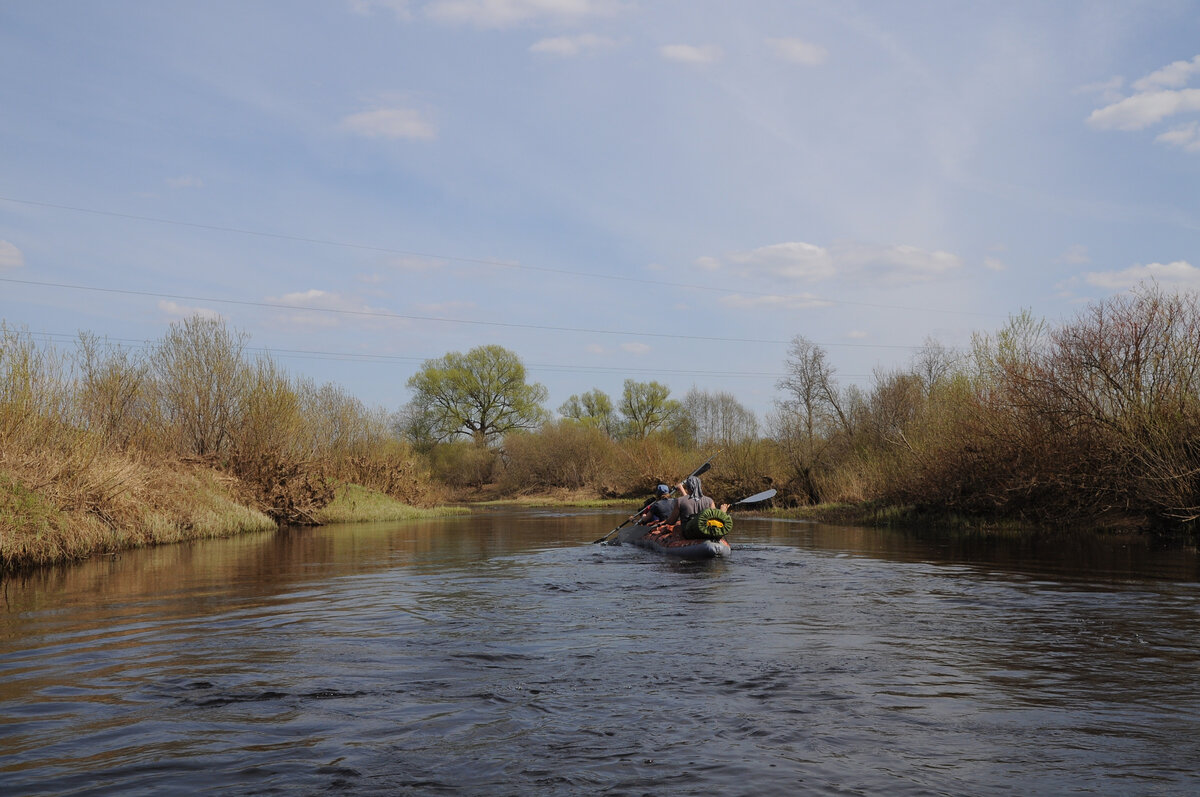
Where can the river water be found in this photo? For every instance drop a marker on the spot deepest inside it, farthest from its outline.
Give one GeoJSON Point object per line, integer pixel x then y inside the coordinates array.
{"type": "Point", "coordinates": [503, 654]}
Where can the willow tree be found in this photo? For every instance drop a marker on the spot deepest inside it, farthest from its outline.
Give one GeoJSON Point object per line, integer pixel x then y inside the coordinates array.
{"type": "Point", "coordinates": [482, 394]}
{"type": "Point", "coordinates": [647, 407]}
{"type": "Point", "coordinates": [593, 408]}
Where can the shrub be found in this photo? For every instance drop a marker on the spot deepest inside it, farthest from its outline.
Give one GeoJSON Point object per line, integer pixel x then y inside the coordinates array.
{"type": "Point", "coordinates": [567, 454]}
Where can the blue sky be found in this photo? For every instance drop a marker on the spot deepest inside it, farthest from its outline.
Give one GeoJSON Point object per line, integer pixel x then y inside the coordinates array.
{"type": "Point", "coordinates": [611, 189]}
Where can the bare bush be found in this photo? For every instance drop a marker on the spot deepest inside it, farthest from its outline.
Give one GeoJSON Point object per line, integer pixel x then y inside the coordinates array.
{"type": "Point", "coordinates": [564, 454]}
{"type": "Point", "coordinates": [113, 391]}
{"type": "Point", "coordinates": [460, 464]}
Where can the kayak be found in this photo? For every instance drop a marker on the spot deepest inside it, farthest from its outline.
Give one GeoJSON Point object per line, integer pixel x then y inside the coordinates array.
{"type": "Point", "coordinates": [669, 540]}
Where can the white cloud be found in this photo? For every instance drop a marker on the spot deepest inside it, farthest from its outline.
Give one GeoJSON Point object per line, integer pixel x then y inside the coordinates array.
{"type": "Point", "coordinates": [1172, 76]}
{"type": "Point", "coordinates": [596, 348]}
{"type": "Point", "coordinates": [10, 255]}
{"type": "Point", "coordinates": [183, 311]}
{"type": "Point", "coordinates": [857, 334]}
{"type": "Point", "coordinates": [1109, 90]}
{"type": "Point", "coordinates": [1186, 137]}
{"type": "Point", "coordinates": [805, 262]}
{"type": "Point", "coordinates": [793, 260]}
{"type": "Point", "coordinates": [312, 308]}
{"type": "Point", "coordinates": [635, 348]}
{"type": "Point", "coordinates": [1179, 272]}
{"type": "Point", "coordinates": [708, 263]}
{"type": "Point", "coordinates": [185, 181]}
{"type": "Point", "coordinates": [1158, 96]}
{"type": "Point", "coordinates": [691, 54]}
{"type": "Point", "coordinates": [303, 297]}
{"type": "Point", "coordinates": [390, 123]}
{"type": "Point", "coordinates": [798, 51]}
{"type": "Point", "coordinates": [1075, 255]}
{"type": "Point", "coordinates": [1142, 110]}
{"type": "Point", "coordinates": [397, 7]}
{"type": "Point", "coordinates": [800, 301]}
{"type": "Point", "coordinates": [994, 264]}
{"type": "Point", "coordinates": [506, 13]}
{"type": "Point", "coordinates": [567, 46]}
{"type": "Point", "coordinates": [896, 263]}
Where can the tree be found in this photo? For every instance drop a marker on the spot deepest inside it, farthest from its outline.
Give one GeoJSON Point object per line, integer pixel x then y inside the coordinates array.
{"type": "Point", "coordinates": [482, 393]}
{"type": "Point", "coordinates": [805, 421]}
{"type": "Point", "coordinates": [718, 418]}
{"type": "Point", "coordinates": [646, 407]}
{"type": "Point", "coordinates": [593, 408]}
{"type": "Point", "coordinates": [200, 376]}
{"type": "Point", "coordinates": [934, 363]}
{"type": "Point", "coordinates": [812, 387]}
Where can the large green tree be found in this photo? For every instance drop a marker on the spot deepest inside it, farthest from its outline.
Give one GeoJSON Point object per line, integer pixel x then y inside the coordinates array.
{"type": "Point", "coordinates": [483, 394]}
{"type": "Point", "coordinates": [593, 408]}
{"type": "Point", "coordinates": [647, 407]}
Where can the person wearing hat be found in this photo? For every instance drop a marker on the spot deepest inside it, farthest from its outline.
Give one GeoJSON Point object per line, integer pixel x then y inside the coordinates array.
{"type": "Point", "coordinates": [660, 509]}
{"type": "Point", "coordinates": [692, 502]}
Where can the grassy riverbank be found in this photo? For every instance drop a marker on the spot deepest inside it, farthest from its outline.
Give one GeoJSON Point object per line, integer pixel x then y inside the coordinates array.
{"type": "Point", "coordinates": [40, 526]}
{"type": "Point", "coordinates": [154, 506]}
{"type": "Point", "coordinates": [355, 504]}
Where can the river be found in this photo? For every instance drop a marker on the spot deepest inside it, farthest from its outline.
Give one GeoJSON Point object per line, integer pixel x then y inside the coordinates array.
{"type": "Point", "coordinates": [504, 654]}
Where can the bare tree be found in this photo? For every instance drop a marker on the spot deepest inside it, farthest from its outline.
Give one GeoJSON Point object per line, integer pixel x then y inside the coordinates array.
{"type": "Point", "coordinates": [718, 418]}
{"type": "Point", "coordinates": [805, 421]}
{"type": "Point", "coordinates": [199, 373]}
{"type": "Point", "coordinates": [934, 363]}
{"type": "Point", "coordinates": [812, 387]}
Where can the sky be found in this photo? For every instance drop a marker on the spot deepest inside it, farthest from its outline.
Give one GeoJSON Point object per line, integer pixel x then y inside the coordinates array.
{"type": "Point", "coordinates": [612, 189]}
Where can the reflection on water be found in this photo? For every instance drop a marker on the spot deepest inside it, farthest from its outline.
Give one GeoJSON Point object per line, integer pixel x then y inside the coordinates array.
{"type": "Point", "coordinates": [503, 654]}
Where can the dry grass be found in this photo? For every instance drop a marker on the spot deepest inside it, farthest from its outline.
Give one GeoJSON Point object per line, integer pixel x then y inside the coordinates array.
{"type": "Point", "coordinates": [106, 448]}
{"type": "Point", "coordinates": [120, 504]}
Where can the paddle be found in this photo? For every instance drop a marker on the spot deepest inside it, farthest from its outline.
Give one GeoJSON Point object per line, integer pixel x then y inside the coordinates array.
{"type": "Point", "coordinates": [754, 499]}
{"type": "Point", "coordinates": [697, 472]}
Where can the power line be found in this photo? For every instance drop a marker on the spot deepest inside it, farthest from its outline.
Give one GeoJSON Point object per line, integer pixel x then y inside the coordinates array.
{"type": "Point", "coordinates": [481, 261]}
{"type": "Point", "coordinates": [408, 317]}
{"type": "Point", "coordinates": [366, 357]}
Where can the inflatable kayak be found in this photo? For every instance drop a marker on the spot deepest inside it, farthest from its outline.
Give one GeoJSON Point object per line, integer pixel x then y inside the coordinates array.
{"type": "Point", "coordinates": [669, 540]}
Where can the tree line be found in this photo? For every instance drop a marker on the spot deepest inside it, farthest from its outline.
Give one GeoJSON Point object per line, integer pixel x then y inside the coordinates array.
{"type": "Point", "coordinates": [1096, 420]}
{"type": "Point", "coordinates": [1093, 420]}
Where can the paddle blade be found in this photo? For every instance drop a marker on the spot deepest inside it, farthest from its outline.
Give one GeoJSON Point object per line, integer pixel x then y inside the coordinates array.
{"type": "Point", "coordinates": [754, 499]}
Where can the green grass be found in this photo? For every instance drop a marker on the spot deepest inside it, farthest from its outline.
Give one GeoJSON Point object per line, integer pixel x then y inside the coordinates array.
{"type": "Point", "coordinates": [355, 504]}
{"type": "Point", "coordinates": [32, 529]}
